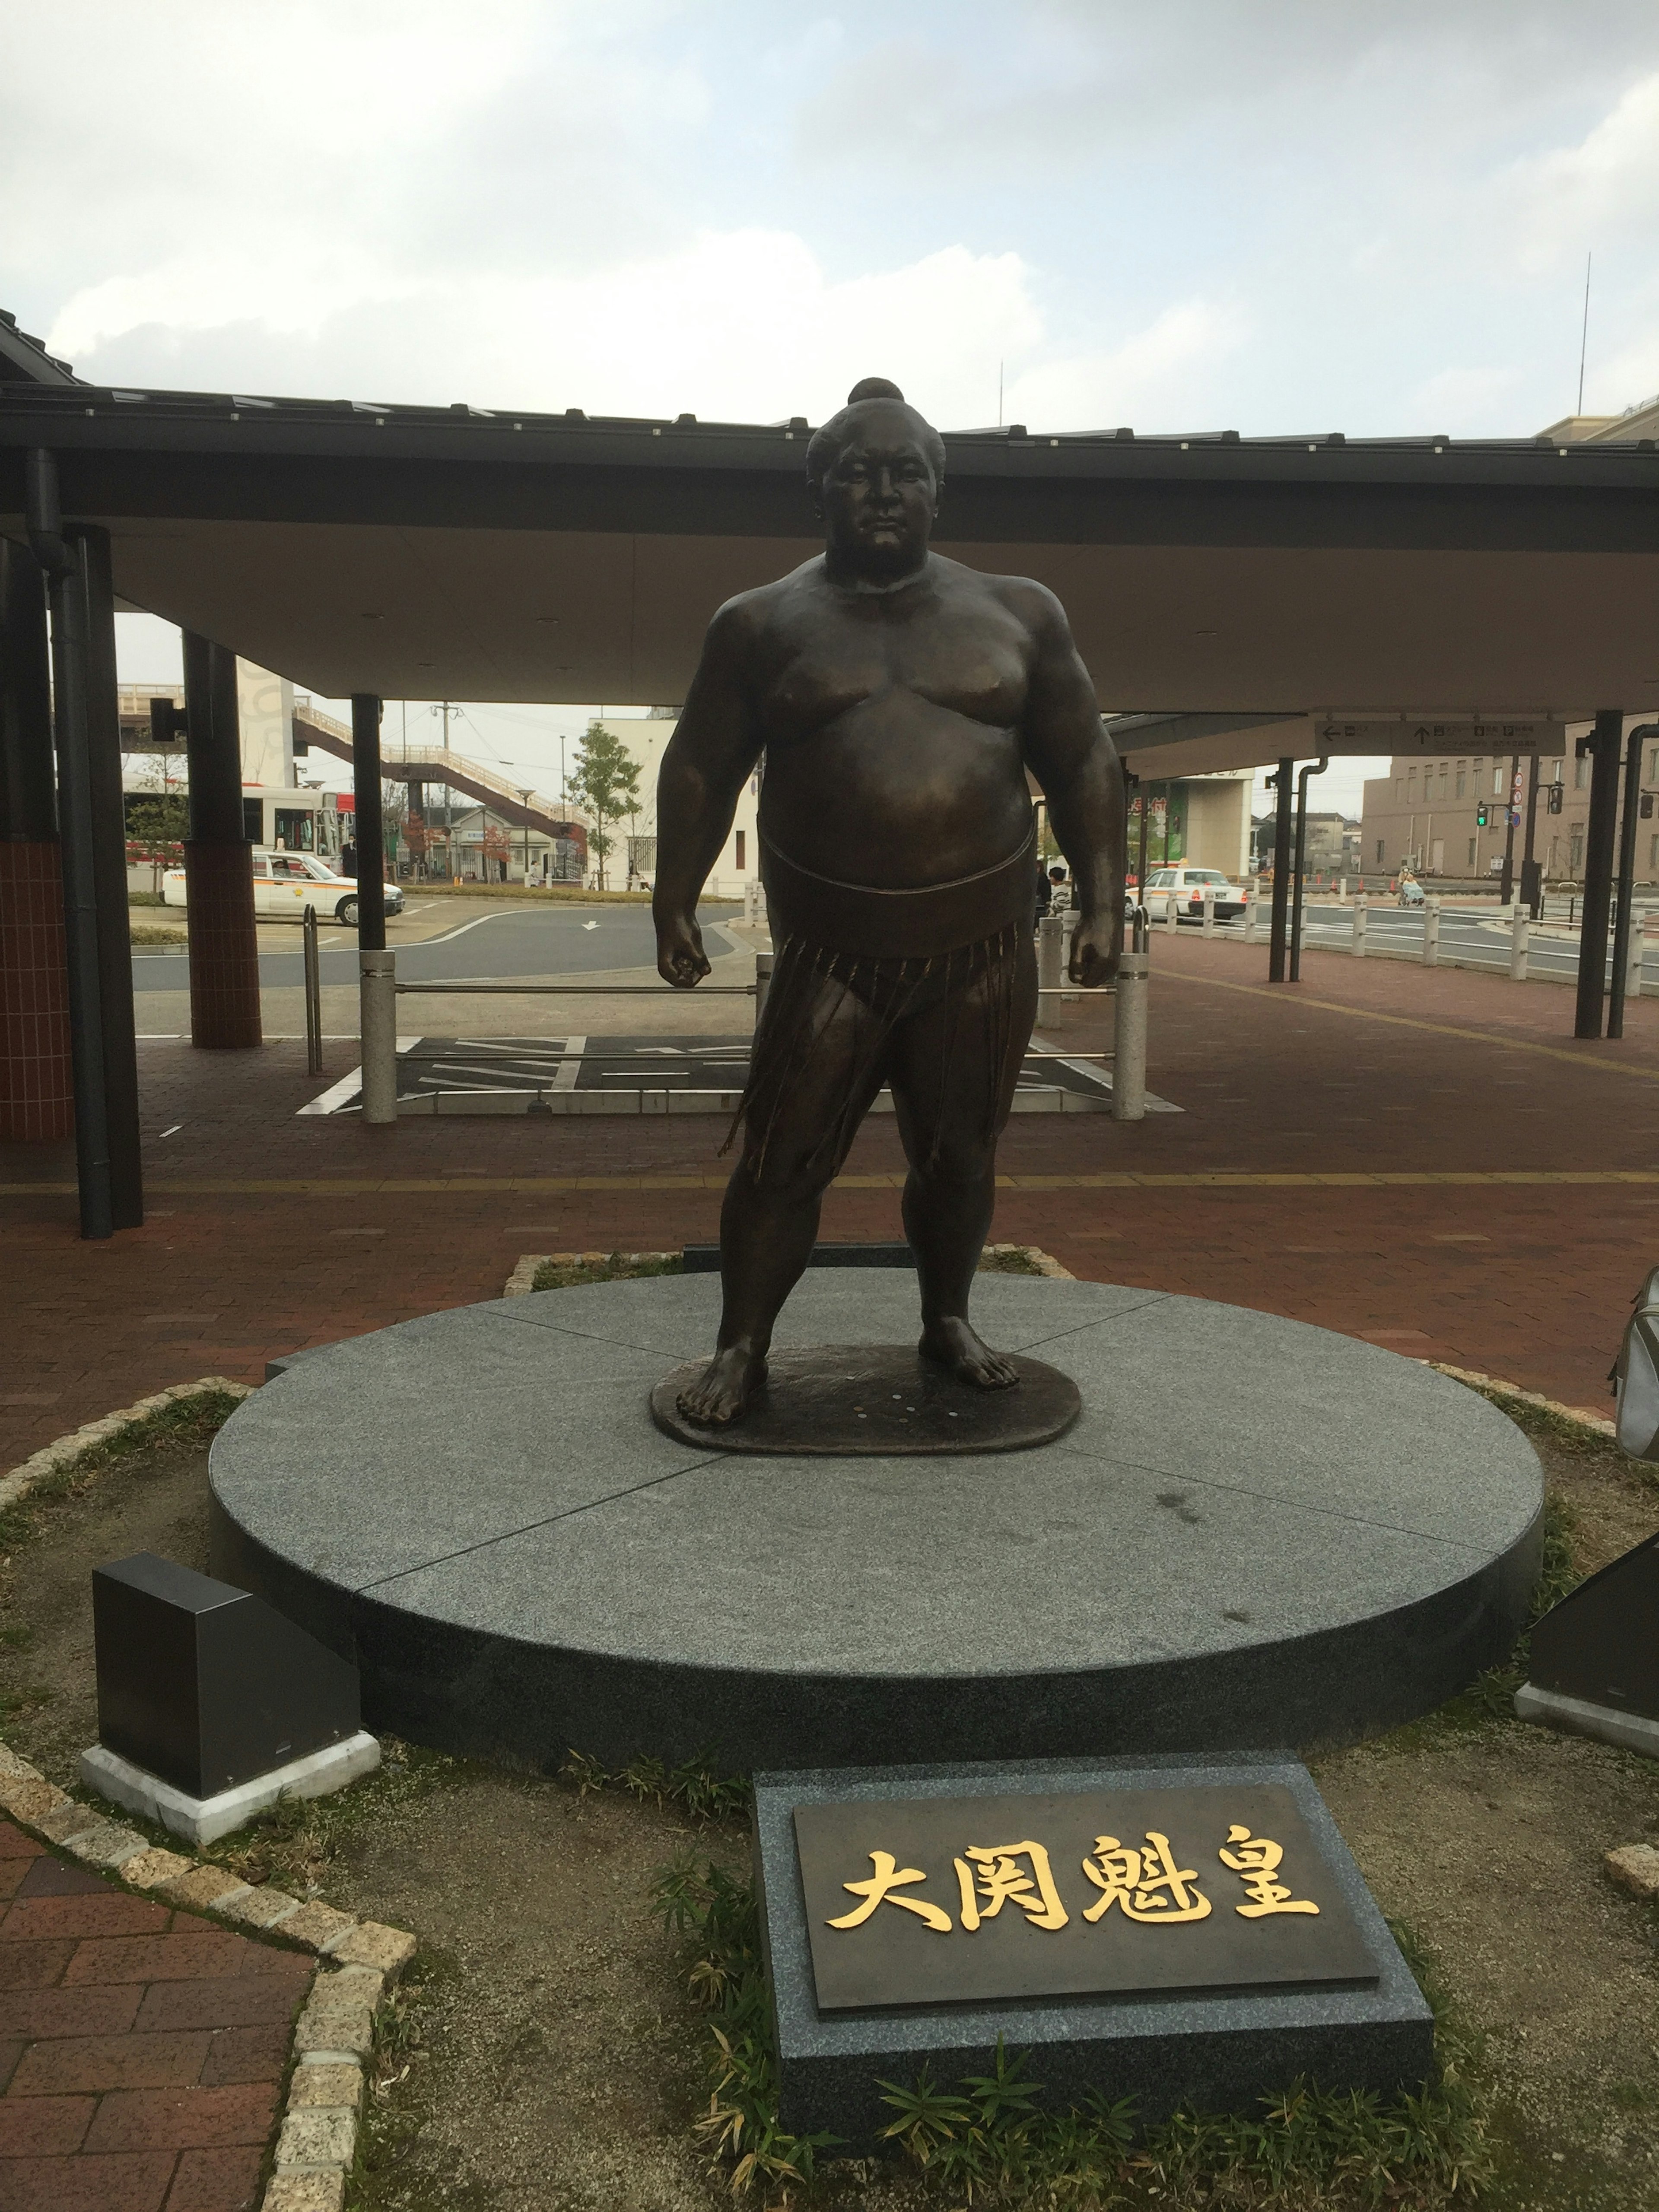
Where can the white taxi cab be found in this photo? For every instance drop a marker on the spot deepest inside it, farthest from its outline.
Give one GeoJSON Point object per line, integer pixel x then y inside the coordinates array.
{"type": "Point", "coordinates": [286, 884]}
{"type": "Point", "coordinates": [1184, 889]}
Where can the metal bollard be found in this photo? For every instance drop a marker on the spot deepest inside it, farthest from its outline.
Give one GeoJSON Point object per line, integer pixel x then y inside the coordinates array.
{"type": "Point", "coordinates": [1362, 915]}
{"type": "Point", "coordinates": [1172, 915]}
{"type": "Point", "coordinates": [1518, 945]}
{"type": "Point", "coordinates": [313, 994]}
{"type": "Point", "coordinates": [378, 1022]}
{"type": "Point", "coordinates": [1251, 903]}
{"type": "Point", "coordinates": [1209, 909]}
{"type": "Point", "coordinates": [763, 965]}
{"type": "Point", "coordinates": [1051, 965]}
{"type": "Point", "coordinates": [1431, 932]}
{"type": "Point", "coordinates": [1633, 966]}
{"type": "Point", "coordinates": [1129, 1064]}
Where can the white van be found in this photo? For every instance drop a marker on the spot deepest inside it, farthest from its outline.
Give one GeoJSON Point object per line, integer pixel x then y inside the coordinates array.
{"type": "Point", "coordinates": [286, 884]}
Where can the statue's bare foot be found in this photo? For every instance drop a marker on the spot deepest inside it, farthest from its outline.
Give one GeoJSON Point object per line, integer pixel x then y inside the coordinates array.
{"type": "Point", "coordinates": [725, 1386]}
{"type": "Point", "coordinates": [952, 1344]}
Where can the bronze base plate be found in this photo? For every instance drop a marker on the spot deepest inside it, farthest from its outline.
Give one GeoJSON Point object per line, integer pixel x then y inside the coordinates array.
{"type": "Point", "coordinates": [879, 1400]}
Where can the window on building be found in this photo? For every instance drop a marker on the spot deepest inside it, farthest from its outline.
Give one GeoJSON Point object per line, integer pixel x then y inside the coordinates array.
{"type": "Point", "coordinates": [1499, 779]}
{"type": "Point", "coordinates": [1653, 856]}
{"type": "Point", "coordinates": [1653, 765]}
{"type": "Point", "coordinates": [742, 858]}
{"type": "Point", "coordinates": [1576, 852]}
{"type": "Point", "coordinates": [1411, 787]}
{"type": "Point", "coordinates": [1382, 853]}
{"type": "Point", "coordinates": [1580, 774]}
{"type": "Point", "coordinates": [1471, 860]}
{"type": "Point", "coordinates": [1443, 779]}
{"type": "Point", "coordinates": [1461, 778]}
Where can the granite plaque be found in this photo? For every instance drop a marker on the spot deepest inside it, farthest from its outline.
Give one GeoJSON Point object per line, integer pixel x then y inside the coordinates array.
{"type": "Point", "coordinates": [951, 1900]}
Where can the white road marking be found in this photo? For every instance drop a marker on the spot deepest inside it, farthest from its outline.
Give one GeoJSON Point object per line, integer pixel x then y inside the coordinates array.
{"type": "Point", "coordinates": [570, 1068]}
{"type": "Point", "coordinates": [590, 925]}
{"type": "Point", "coordinates": [172, 1132]}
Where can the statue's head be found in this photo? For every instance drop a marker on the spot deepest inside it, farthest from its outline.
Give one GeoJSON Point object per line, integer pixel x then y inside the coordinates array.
{"type": "Point", "coordinates": [875, 472]}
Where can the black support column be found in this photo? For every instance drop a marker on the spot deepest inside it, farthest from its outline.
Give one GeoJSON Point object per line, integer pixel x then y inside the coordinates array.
{"type": "Point", "coordinates": [109, 867]}
{"type": "Point", "coordinates": [1283, 783]}
{"type": "Point", "coordinates": [370, 834]}
{"type": "Point", "coordinates": [1605, 745]}
{"type": "Point", "coordinates": [93, 835]}
{"type": "Point", "coordinates": [37, 1081]}
{"type": "Point", "coordinates": [224, 948]}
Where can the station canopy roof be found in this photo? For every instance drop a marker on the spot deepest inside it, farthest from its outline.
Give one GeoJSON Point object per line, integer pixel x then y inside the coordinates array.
{"type": "Point", "coordinates": [1223, 590]}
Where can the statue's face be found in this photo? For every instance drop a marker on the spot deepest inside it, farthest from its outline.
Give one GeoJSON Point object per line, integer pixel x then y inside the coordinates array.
{"type": "Point", "coordinates": [880, 497]}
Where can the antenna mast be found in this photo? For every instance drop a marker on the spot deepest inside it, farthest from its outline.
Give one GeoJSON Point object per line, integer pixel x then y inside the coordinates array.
{"type": "Point", "coordinates": [1584, 335]}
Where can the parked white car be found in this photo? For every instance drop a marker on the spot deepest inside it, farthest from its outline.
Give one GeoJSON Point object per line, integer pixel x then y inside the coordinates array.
{"type": "Point", "coordinates": [1184, 890]}
{"type": "Point", "coordinates": [286, 884]}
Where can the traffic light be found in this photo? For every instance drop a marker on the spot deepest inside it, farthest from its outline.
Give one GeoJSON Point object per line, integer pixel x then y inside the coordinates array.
{"type": "Point", "coordinates": [1482, 815]}
{"type": "Point", "coordinates": [1557, 792]}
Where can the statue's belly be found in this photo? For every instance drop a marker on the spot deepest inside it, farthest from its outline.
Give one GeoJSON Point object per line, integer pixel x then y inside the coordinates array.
{"type": "Point", "coordinates": [897, 792]}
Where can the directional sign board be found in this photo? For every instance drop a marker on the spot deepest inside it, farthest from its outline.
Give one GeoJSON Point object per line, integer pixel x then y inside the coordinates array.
{"type": "Point", "coordinates": [1537, 734]}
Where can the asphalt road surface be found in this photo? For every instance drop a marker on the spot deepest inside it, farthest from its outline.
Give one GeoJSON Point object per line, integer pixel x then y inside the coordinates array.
{"type": "Point", "coordinates": [1464, 936]}
{"type": "Point", "coordinates": [491, 948]}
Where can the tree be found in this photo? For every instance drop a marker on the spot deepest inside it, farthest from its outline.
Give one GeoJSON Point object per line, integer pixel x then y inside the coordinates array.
{"type": "Point", "coordinates": [157, 825]}
{"type": "Point", "coordinates": [605, 783]}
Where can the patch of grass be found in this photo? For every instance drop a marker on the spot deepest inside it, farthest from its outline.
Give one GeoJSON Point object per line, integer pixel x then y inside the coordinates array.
{"type": "Point", "coordinates": [293, 1846]}
{"type": "Point", "coordinates": [614, 1268]}
{"type": "Point", "coordinates": [397, 2168]}
{"type": "Point", "coordinates": [1007, 1260]}
{"type": "Point", "coordinates": [187, 1423]}
{"type": "Point", "coordinates": [146, 898]}
{"type": "Point", "coordinates": [149, 933]}
{"type": "Point", "coordinates": [696, 1788]}
{"type": "Point", "coordinates": [991, 2140]}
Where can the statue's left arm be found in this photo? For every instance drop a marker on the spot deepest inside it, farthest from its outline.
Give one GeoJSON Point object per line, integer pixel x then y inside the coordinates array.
{"type": "Point", "coordinates": [1077, 764]}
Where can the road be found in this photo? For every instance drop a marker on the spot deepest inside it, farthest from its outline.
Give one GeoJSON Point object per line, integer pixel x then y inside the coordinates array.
{"type": "Point", "coordinates": [1467, 938]}
{"type": "Point", "coordinates": [564, 940]}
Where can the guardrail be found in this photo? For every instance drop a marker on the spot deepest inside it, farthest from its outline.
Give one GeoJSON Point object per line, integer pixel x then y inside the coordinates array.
{"type": "Point", "coordinates": [380, 991]}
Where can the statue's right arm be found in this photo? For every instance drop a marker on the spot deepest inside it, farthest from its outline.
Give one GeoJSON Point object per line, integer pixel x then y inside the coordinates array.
{"type": "Point", "coordinates": [710, 755]}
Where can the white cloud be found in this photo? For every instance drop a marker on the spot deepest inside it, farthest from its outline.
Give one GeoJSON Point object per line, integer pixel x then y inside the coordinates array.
{"type": "Point", "coordinates": [1598, 192]}
{"type": "Point", "coordinates": [1163, 377]}
{"type": "Point", "coordinates": [744, 324]}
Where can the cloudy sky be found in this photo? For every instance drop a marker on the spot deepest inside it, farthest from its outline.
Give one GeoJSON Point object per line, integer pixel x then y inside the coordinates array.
{"type": "Point", "coordinates": [1261, 214]}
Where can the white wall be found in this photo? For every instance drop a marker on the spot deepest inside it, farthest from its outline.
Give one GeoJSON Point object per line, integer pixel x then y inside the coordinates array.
{"type": "Point", "coordinates": [265, 703]}
{"type": "Point", "coordinates": [646, 742]}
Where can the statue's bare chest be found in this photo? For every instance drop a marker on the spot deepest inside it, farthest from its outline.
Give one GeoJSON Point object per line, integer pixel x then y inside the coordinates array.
{"type": "Point", "coordinates": [965, 655]}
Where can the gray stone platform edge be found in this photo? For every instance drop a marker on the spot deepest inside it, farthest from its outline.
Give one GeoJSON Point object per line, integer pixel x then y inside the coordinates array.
{"type": "Point", "coordinates": [1220, 2053]}
{"type": "Point", "coordinates": [1632, 1731]}
{"type": "Point", "coordinates": [202, 1820]}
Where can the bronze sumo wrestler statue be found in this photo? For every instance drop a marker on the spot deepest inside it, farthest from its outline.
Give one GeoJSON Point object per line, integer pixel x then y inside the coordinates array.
{"type": "Point", "coordinates": [897, 698]}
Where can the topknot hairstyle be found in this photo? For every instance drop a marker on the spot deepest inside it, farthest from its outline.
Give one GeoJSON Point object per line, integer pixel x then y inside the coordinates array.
{"type": "Point", "coordinates": [826, 443]}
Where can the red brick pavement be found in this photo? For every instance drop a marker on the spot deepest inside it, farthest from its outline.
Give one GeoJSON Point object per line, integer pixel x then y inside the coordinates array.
{"type": "Point", "coordinates": [267, 1232]}
{"type": "Point", "coordinates": [141, 2049]}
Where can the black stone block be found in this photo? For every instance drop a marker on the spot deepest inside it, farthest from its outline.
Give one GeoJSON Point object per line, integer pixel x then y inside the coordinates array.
{"type": "Point", "coordinates": [207, 1685]}
{"type": "Point", "coordinates": [1214, 2014]}
{"type": "Point", "coordinates": [1600, 1644]}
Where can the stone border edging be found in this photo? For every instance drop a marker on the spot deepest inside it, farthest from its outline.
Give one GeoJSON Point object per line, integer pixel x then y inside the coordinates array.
{"type": "Point", "coordinates": [1576, 1414]}
{"type": "Point", "coordinates": [522, 1281]}
{"type": "Point", "coordinates": [358, 1960]}
{"type": "Point", "coordinates": [66, 1450]}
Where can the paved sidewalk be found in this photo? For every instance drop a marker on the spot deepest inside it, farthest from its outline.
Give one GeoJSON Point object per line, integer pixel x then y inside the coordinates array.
{"type": "Point", "coordinates": [141, 2049]}
{"type": "Point", "coordinates": [1424, 1158]}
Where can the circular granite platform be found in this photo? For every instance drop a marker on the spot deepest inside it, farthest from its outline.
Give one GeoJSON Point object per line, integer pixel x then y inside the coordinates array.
{"type": "Point", "coordinates": [1258, 1534]}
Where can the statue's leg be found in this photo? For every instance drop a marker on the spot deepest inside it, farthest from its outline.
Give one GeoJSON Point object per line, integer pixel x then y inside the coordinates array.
{"type": "Point", "coordinates": [953, 1067]}
{"type": "Point", "coordinates": [804, 1115]}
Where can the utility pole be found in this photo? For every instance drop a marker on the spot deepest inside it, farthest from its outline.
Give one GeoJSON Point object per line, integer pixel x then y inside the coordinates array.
{"type": "Point", "coordinates": [1531, 874]}
{"type": "Point", "coordinates": [1506, 881]}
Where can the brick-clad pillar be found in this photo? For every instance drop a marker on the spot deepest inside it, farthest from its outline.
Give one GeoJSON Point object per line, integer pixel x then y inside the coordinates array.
{"type": "Point", "coordinates": [37, 1079]}
{"type": "Point", "coordinates": [224, 950]}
